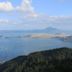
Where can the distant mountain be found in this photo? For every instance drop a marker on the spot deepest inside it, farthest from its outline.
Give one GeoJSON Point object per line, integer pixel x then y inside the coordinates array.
{"type": "Point", "coordinates": [56, 60]}
{"type": "Point", "coordinates": [47, 30]}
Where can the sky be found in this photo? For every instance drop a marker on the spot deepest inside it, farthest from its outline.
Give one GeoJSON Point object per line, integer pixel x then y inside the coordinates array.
{"type": "Point", "coordinates": [35, 14]}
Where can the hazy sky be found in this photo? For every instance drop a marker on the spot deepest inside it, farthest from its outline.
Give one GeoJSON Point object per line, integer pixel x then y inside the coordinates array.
{"type": "Point", "coordinates": [35, 14]}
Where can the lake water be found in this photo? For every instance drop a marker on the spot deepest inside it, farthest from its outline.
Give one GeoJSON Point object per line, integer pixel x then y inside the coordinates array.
{"type": "Point", "coordinates": [11, 45]}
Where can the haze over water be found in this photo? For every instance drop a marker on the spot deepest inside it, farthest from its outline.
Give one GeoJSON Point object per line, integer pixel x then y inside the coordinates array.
{"type": "Point", "coordinates": [12, 45]}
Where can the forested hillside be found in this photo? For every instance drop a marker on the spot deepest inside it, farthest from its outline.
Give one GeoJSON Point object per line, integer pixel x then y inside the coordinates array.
{"type": "Point", "coordinates": [56, 60]}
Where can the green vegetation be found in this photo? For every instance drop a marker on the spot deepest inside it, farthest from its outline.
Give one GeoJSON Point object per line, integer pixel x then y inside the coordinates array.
{"type": "Point", "coordinates": [56, 60]}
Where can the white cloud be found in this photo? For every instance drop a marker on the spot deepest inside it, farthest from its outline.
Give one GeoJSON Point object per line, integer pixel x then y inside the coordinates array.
{"type": "Point", "coordinates": [31, 19]}
{"type": "Point", "coordinates": [26, 7]}
{"type": "Point", "coordinates": [6, 6]}
{"type": "Point", "coordinates": [39, 22]}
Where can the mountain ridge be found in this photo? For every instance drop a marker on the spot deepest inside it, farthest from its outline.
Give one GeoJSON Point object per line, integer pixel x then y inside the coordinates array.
{"type": "Point", "coordinates": [48, 30]}
{"type": "Point", "coordinates": [54, 60]}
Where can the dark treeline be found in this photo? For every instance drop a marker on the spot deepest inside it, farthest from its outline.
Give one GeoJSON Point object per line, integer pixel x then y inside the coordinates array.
{"type": "Point", "coordinates": [56, 60]}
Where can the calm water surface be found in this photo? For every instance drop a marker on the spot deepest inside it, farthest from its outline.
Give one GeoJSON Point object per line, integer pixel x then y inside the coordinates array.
{"type": "Point", "coordinates": [14, 46]}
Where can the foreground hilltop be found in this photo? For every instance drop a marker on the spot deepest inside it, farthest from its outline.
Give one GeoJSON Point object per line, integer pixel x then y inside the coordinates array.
{"type": "Point", "coordinates": [55, 60]}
